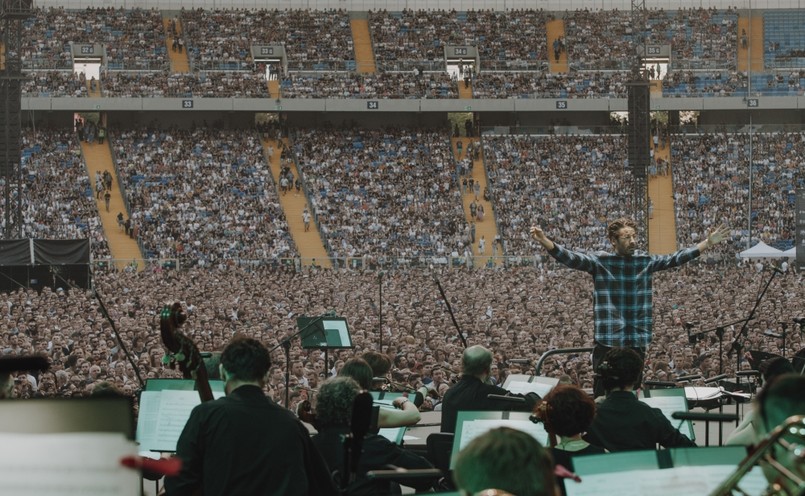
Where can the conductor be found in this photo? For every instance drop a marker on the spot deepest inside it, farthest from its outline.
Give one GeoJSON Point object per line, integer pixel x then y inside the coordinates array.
{"type": "Point", "coordinates": [623, 285]}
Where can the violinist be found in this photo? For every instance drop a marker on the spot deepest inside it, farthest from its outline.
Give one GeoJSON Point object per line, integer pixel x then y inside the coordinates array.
{"type": "Point", "coordinates": [406, 412]}
{"type": "Point", "coordinates": [244, 443]}
{"type": "Point", "coordinates": [473, 390]}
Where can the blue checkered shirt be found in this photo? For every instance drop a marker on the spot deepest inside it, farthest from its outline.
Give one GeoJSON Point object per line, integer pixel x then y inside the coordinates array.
{"type": "Point", "coordinates": [622, 294]}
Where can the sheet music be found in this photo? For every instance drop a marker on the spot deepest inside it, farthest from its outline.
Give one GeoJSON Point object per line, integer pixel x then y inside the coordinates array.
{"type": "Point", "coordinates": [163, 415]}
{"type": "Point", "coordinates": [474, 428]}
{"type": "Point", "coordinates": [67, 464]}
{"type": "Point", "coordinates": [393, 434]}
{"type": "Point", "coordinates": [663, 482]}
{"type": "Point", "coordinates": [519, 387]}
{"type": "Point", "coordinates": [668, 405]}
{"type": "Point", "coordinates": [702, 393]}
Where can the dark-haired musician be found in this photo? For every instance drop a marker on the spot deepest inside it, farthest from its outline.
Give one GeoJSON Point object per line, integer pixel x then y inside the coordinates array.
{"type": "Point", "coordinates": [244, 443]}
{"type": "Point", "coordinates": [622, 422]}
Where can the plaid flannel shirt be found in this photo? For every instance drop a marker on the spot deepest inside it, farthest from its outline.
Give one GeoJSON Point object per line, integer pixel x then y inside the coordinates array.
{"type": "Point", "coordinates": [622, 299]}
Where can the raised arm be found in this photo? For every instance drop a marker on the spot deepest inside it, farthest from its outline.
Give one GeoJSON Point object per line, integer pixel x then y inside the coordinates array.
{"type": "Point", "coordinates": [539, 235]}
{"type": "Point", "coordinates": [715, 237]}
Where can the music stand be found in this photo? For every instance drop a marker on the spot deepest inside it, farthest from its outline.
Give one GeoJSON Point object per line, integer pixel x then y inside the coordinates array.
{"type": "Point", "coordinates": [324, 333]}
{"type": "Point", "coordinates": [328, 332]}
{"type": "Point", "coordinates": [471, 424]}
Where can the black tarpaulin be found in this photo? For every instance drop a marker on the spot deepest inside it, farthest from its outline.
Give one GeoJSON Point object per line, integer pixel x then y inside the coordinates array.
{"type": "Point", "coordinates": [61, 251]}
{"type": "Point", "coordinates": [15, 252]}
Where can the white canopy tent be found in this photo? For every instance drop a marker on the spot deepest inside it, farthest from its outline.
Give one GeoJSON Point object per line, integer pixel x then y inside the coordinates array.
{"type": "Point", "coordinates": [761, 250]}
{"type": "Point", "coordinates": [791, 252]}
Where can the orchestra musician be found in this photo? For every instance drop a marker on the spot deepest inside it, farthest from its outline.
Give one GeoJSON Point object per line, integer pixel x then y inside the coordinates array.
{"type": "Point", "coordinates": [406, 412]}
{"type": "Point", "coordinates": [244, 443]}
{"type": "Point", "coordinates": [472, 391]}
{"type": "Point", "coordinates": [777, 402]}
{"type": "Point", "coordinates": [622, 422]}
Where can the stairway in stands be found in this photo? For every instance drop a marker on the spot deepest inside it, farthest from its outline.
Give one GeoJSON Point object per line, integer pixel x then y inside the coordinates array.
{"type": "Point", "coordinates": [662, 221]}
{"type": "Point", "coordinates": [488, 227]}
{"type": "Point", "coordinates": [180, 62]}
{"type": "Point", "coordinates": [310, 245]}
{"type": "Point", "coordinates": [362, 41]}
{"type": "Point", "coordinates": [94, 88]}
{"type": "Point", "coordinates": [464, 89]}
{"type": "Point", "coordinates": [751, 57]}
{"type": "Point", "coordinates": [556, 29]}
{"type": "Point", "coordinates": [274, 88]}
{"type": "Point", "coordinates": [98, 158]}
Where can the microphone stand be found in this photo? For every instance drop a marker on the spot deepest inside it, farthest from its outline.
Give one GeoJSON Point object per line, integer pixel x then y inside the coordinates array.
{"type": "Point", "coordinates": [719, 331]}
{"type": "Point", "coordinates": [450, 310]}
{"type": "Point", "coordinates": [285, 343]}
{"type": "Point", "coordinates": [380, 312]}
{"type": "Point", "coordinates": [108, 318]}
{"type": "Point", "coordinates": [736, 345]}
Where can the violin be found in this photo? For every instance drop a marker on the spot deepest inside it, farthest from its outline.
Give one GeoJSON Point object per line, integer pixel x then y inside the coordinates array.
{"type": "Point", "coordinates": [182, 351]}
{"type": "Point", "coordinates": [304, 410]}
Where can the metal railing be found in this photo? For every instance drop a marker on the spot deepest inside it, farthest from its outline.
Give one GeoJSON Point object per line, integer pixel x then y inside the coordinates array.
{"type": "Point", "coordinates": [558, 351]}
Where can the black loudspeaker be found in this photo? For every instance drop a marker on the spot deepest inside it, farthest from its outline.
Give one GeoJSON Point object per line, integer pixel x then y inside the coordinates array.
{"type": "Point", "coordinates": [639, 106]}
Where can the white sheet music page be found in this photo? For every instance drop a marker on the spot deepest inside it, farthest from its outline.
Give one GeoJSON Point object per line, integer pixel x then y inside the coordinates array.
{"type": "Point", "coordinates": [699, 480]}
{"type": "Point", "coordinates": [668, 405]}
{"type": "Point", "coordinates": [474, 428]}
{"type": "Point", "coordinates": [163, 415]}
{"type": "Point", "coordinates": [85, 464]}
{"type": "Point", "coordinates": [519, 387]}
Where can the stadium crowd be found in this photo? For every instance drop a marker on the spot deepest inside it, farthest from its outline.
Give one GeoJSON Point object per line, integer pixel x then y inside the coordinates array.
{"type": "Point", "coordinates": [133, 39]}
{"type": "Point", "coordinates": [538, 178]}
{"type": "Point", "coordinates": [711, 185]}
{"type": "Point", "coordinates": [213, 84]}
{"type": "Point", "coordinates": [518, 313]}
{"type": "Point", "coordinates": [383, 192]}
{"type": "Point", "coordinates": [512, 47]}
{"type": "Point", "coordinates": [417, 35]}
{"type": "Point", "coordinates": [58, 195]}
{"type": "Point", "coordinates": [216, 204]}
{"type": "Point", "coordinates": [221, 39]}
{"type": "Point", "coordinates": [380, 85]}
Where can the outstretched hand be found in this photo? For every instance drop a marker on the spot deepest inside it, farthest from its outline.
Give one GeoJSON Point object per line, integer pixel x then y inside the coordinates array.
{"type": "Point", "coordinates": [537, 233]}
{"type": "Point", "coordinates": [718, 235]}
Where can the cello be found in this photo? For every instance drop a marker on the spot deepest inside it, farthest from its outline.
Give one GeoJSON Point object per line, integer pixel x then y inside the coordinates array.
{"type": "Point", "coordinates": [182, 351]}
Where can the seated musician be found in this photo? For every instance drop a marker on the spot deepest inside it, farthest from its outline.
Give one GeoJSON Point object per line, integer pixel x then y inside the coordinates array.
{"type": "Point", "coordinates": [505, 461]}
{"type": "Point", "coordinates": [622, 422]}
{"type": "Point", "coordinates": [777, 402]}
{"type": "Point", "coordinates": [244, 443]}
{"type": "Point", "coordinates": [567, 413]}
{"type": "Point", "coordinates": [406, 414]}
{"type": "Point", "coordinates": [472, 391]}
{"type": "Point", "coordinates": [746, 432]}
{"type": "Point", "coordinates": [333, 416]}
{"type": "Point", "coordinates": [381, 365]}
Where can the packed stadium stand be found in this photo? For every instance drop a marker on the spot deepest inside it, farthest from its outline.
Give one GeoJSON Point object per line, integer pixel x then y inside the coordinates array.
{"type": "Point", "coordinates": [373, 160]}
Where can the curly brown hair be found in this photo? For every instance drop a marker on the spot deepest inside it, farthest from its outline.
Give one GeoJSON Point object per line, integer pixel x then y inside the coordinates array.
{"type": "Point", "coordinates": [566, 410]}
{"type": "Point", "coordinates": [618, 224]}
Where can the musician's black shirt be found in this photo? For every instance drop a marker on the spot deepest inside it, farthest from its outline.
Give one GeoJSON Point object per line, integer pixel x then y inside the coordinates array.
{"type": "Point", "coordinates": [623, 423]}
{"type": "Point", "coordinates": [245, 444]}
{"type": "Point", "coordinates": [470, 394]}
{"type": "Point", "coordinates": [377, 454]}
